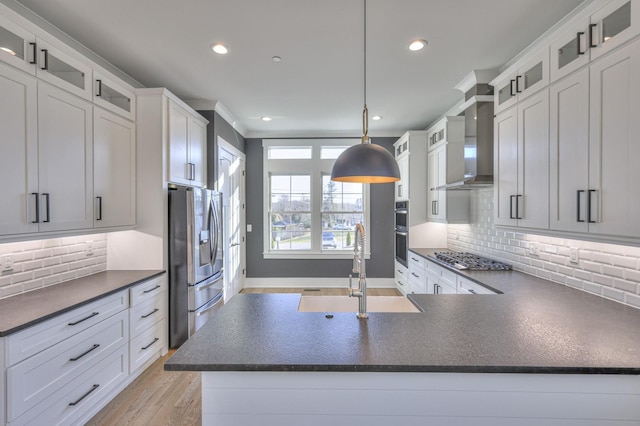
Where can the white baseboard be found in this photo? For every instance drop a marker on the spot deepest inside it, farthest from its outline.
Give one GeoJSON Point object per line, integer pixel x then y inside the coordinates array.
{"type": "Point", "coordinates": [315, 282]}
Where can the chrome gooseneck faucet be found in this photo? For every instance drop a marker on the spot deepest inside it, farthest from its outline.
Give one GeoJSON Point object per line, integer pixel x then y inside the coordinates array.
{"type": "Point", "coordinates": [359, 268]}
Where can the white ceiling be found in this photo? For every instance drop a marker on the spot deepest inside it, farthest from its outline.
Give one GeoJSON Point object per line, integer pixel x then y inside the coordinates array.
{"type": "Point", "coordinates": [317, 88]}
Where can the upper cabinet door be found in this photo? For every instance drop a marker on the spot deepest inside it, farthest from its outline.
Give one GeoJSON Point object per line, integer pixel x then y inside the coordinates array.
{"type": "Point", "coordinates": [64, 70]}
{"type": "Point", "coordinates": [505, 165]}
{"type": "Point", "coordinates": [613, 25]}
{"type": "Point", "coordinates": [505, 93]}
{"type": "Point", "coordinates": [570, 52]}
{"type": "Point", "coordinates": [180, 170]}
{"type": "Point", "coordinates": [613, 203]}
{"type": "Point", "coordinates": [114, 153]}
{"type": "Point", "coordinates": [198, 151]}
{"type": "Point", "coordinates": [19, 151]}
{"type": "Point", "coordinates": [65, 130]}
{"type": "Point", "coordinates": [17, 46]}
{"type": "Point", "coordinates": [114, 96]}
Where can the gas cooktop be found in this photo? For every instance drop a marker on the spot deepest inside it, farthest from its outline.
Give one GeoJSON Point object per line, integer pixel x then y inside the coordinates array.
{"type": "Point", "coordinates": [469, 261]}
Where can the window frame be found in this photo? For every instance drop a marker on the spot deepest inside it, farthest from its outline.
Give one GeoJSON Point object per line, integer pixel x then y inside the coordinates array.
{"type": "Point", "coordinates": [316, 168]}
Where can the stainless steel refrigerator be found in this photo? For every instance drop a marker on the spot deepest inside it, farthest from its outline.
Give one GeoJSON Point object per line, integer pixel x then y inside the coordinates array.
{"type": "Point", "coordinates": [196, 272]}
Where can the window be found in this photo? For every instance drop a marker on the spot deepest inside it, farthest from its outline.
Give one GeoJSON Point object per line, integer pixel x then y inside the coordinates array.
{"type": "Point", "coordinates": [307, 214]}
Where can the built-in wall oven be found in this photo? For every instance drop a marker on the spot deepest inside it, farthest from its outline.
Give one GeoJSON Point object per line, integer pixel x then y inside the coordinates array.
{"type": "Point", "coordinates": [402, 231]}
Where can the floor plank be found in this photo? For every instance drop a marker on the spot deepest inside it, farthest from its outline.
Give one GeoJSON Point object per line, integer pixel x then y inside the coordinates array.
{"type": "Point", "coordinates": [172, 398]}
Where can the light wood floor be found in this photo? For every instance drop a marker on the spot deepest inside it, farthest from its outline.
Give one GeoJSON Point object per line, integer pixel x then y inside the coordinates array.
{"type": "Point", "coordinates": [172, 398]}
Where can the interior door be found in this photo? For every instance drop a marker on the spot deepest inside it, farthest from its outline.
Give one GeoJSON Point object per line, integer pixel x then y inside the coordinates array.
{"type": "Point", "coordinates": [231, 166]}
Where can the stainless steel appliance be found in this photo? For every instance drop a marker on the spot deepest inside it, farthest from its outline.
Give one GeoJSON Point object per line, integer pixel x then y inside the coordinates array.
{"type": "Point", "coordinates": [468, 261]}
{"type": "Point", "coordinates": [195, 259]}
{"type": "Point", "coordinates": [402, 231]}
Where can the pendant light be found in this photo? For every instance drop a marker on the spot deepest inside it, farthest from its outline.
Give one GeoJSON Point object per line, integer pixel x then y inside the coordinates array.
{"type": "Point", "coordinates": [365, 162]}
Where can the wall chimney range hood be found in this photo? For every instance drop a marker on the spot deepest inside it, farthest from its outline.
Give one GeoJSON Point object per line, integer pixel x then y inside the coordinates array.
{"type": "Point", "coordinates": [478, 144]}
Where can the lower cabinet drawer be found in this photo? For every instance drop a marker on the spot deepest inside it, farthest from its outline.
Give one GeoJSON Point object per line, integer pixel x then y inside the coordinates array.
{"type": "Point", "coordinates": [75, 399]}
{"type": "Point", "coordinates": [35, 379]}
{"type": "Point", "coordinates": [147, 345]}
{"type": "Point", "coordinates": [145, 314]}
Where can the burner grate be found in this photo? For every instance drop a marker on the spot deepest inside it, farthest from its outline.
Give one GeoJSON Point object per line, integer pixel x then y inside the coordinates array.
{"type": "Point", "coordinates": [470, 261]}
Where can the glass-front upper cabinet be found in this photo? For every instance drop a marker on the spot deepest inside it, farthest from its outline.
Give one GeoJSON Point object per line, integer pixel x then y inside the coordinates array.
{"type": "Point", "coordinates": [530, 77]}
{"type": "Point", "coordinates": [114, 96]}
{"type": "Point", "coordinates": [612, 25]}
{"type": "Point", "coordinates": [64, 70]}
{"type": "Point", "coordinates": [570, 51]}
{"type": "Point", "coordinates": [17, 46]}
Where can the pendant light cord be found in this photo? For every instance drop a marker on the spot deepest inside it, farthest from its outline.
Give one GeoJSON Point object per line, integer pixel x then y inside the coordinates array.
{"type": "Point", "coordinates": [365, 112]}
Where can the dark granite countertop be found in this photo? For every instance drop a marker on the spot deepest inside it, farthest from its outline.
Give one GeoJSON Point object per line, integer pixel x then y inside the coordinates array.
{"type": "Point", "coordinates": [24, 310]}
{"type": "Point", "coordinates": [535, 326]}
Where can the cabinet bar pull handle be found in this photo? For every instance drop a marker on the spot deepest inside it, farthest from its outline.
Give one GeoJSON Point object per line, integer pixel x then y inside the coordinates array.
{"type": "Point", "coordinates": [45, 65]}
{"type": "Point", "coordinates": [99, 208]}
{"type": "Point", "coordinates": [511, 206]}
{"type": "Point", "coordinates": [96, 346]}
{"type": "Point", "coordinates": [46, 198]}
{"type": "Point", "coordinates": [84, 319]}
{"type": "Point", "coordinates": [94, 387]}
{"type": "Point", "coordinates": [518, 206]}
{"type": "Point", "coordinates": [417, 276]}
{"type": "Point", "coordinates": [578, 192]}
{"type": "Point", "coordinates": [518, 84]}
{"type": "Point", "coordinates": [437, 208]}
{"type": "Point", "coordinates": [150, 313]}
{"type": "Point", "coordinates": [511, 91]}
{"type": "Point", "coordinates": [151, 289]}
{"type": "Point", "coordinates": [37, 207]}
{"type": "Point", "coordinates": [144, 348]}
{"type": "Point", "coordinates": [400, 282]}
{"type": "Point", "coordinates": [193, 172]}
{"type": "Point", "coordinates": [591, 27]}
{"type": "Point", "coordinates": [34, 53]}
{"type": "Point", "coordinates": [99, 88]}
{"type": "Point", "coordinates": [589, 206]}
{"type": "Point", "coordinates": [578, 36]}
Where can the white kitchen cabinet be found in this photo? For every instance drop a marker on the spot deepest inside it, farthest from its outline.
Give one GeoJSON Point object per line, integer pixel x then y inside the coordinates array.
{"type": "Point", "coordinates": [401, 275]}
{"type": "Point", "coordinates": [187, 146]}
{"type": "Point", "coordinates": [65, 160]}
{"type": "Point", "coordinates": [411, 155]}
{"type": "Point", "coordinates": [569, 152]}
{"type": "Point", "coordinates": [612, 197]}
{"type": "Point", "coordinates": [64, 68]}
{"type": "Point", "coordinates": [17, 46]}
{"type": "Point", "coordinates": [417, 274]}
{"type": "Point", "coordinates": [114, 183]}
{"type": "Point", "coordinates": [19, 146]}
{"type": "Point", "coordinates": [605, 30]}
{"type": "Point", "coordinates": [516, 86]}
{"type": "Point", "coordinates": [112, 94]}
{"type": "Point", "coordinates": [521, 164]}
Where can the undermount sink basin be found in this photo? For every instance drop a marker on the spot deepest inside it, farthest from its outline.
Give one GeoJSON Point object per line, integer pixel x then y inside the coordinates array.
{"type": "Point", "coordinates": [350, 304]}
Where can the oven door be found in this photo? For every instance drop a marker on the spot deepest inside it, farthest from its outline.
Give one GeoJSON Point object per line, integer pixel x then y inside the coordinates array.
{"type": "Point", "coordinates": [402, 214]}
{"type": "Point", "coordinates": [401, 246]}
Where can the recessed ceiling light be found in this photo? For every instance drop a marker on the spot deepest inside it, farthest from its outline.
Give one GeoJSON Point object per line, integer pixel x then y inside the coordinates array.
{"type": "Point", "coordinates": [417, 45]}
{"type": "Point", "coordinates": [276, 59]}
{"type": "Point", "coordinates": [376, 117]}
{"type": "Point", "coordinates": [9, 51]}
{"type": "Point", "coordinates": [219, 48]}
{"type": "Point", "coordinates": [265, 118]}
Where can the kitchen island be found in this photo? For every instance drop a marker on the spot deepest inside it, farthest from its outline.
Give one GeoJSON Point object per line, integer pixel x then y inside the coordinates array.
{"type": "Point", "coordinates": [540, 353]}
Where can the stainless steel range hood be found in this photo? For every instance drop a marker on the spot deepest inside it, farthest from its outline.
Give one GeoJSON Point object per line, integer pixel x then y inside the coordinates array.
{"type": "Point", "coordinates": [478, 144]}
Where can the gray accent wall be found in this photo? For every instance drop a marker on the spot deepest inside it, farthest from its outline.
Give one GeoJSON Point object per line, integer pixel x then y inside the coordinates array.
{"type": "Point", "coordinates": [381, 233]}
{"type": "Point", "coordinates": [218, 126]}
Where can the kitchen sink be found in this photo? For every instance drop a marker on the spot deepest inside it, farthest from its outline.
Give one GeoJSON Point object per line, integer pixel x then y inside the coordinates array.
{"type": "Point", "coordinates": [350, 304]}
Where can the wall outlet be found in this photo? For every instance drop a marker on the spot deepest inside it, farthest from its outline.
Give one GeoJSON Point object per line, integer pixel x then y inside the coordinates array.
{"type": "Point", "coordinates": [6, 263]}
{"type": "Point", "coordinates": [574, 255]}
{"type": "Point", "coordinates": [249, 227]}
{"type": "Point", "coordinates": [534, 249]}
{"type": "Point", "coordinates": [89, 251]}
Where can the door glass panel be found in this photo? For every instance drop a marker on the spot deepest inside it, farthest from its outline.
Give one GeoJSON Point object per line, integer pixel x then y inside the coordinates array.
{"type": "Point", "coordinates": [504, 94]}
{"type": "Point", "coordinates": [64, 71]}
{"type": "Point", "coordinates": [617, 22]}
{"type": "Point", "coordinates": [533, 75]}
{"type": "Point", "coordinates": [114, 97]}
{"type": "Point", "coordinates": [11, 43]}
{"type": "Point", "coordinates": [568, 53]}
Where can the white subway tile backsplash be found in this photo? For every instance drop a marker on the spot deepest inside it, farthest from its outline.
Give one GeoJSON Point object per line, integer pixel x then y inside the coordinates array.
{"type": "Point", "coordinates": [47, 262]}
{"type": "Point", "coordinates": [609, 270]}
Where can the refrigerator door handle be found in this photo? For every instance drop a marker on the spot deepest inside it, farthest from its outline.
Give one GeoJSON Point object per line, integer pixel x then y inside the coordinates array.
{"type": "Point", "coordinates": [212, 229]}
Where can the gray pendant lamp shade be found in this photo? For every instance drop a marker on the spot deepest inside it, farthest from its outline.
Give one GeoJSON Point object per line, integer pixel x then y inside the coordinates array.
{"type": "Point", "coordinates": [365, 162]}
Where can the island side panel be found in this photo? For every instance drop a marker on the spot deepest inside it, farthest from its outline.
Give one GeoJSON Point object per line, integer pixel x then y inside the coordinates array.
{"type": "Point", "coordinates": [321, 398]}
